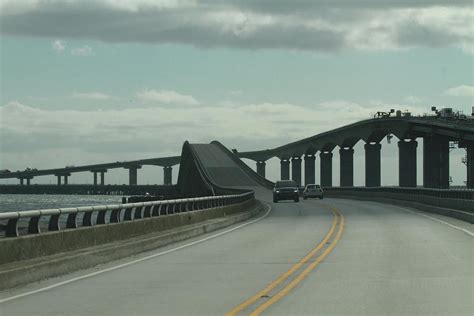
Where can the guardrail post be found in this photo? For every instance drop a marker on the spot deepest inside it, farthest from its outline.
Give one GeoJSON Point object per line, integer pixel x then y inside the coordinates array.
{"type": "Point", "coordinates": [138, 212]}
{"type": "Point", "coordinates": [147, 211]}
{"type": "Point", "coordinates": [12, 228]}
{"type": "Point", "coordinates": [101, 217]}
{"type": "Point", "coordinates": [53, 223]}
{"type": "Point", "coordinates": [87, 219]}
{"type": "Point", "coordinates": [71, 220]}
{"type": "Point", "coordinates": [33, 225]}
{"type": "Point", "coordinates": [128, 214]}
{"type": "Point", "coordinates": [115, 216]}
{"type": "Point", "coordinates": [163, 209]}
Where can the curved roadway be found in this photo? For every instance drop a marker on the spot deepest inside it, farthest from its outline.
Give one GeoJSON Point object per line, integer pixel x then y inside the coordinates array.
{"type": "Point", "coordinates": [388, 261]}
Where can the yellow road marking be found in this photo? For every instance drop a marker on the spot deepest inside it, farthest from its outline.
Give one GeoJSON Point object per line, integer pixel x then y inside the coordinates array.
{"type": "Point", "coordinates": [302, 275]}
{"type": "Point", "coordinates": [288, 273]}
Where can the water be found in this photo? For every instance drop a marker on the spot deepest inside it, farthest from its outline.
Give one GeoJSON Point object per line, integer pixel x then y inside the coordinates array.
{"type": "Point", "coordinates": [26, 202]}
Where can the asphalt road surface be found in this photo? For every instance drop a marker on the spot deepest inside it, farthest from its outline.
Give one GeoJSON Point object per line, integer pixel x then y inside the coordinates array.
{"type": "Point", "coordinates": [387, 262]}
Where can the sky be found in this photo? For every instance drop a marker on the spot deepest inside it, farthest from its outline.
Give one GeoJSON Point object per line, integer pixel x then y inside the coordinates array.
{"type": "Point", "coordinates": [87, 81]}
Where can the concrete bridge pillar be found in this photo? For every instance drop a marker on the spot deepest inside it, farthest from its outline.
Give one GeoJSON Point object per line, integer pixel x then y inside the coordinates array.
{"type": "Point", "coordinates": [65, 178]}
{"type": "Point", "coordinates": [407, 163]}
{"type": "Point", "coordinates": [285, 169]}
{"type": "Point", "coordinates": [326, 169]}
{"type": "Point", "coordinates": [261, 168]}
{"type": "Point", "coordinates": [470, 166]}
{"type": "Point", "coordinates": [102, 177]}
{"type": "Point", "coordinates": [309, 169]}
{"type": "Point", "coordinates": [59, 179]}
{"type": "Point", "coordinates": [22, 181]}
{"type": "Point", "coordinates": [167, 175]}
{"type": "Point", "coordinates": [435, 162]}
{"type": "Point", "coordinates": [372, 165]}
{"type": "Point", "coordinates": [133, 174]}
{"type": "Point", "coordinates": [296, 170]}
{"type": "Point", "coordinates": [346, 156]}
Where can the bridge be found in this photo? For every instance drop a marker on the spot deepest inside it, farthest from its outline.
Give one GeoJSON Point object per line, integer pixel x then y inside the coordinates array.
{"type": "Point", "coordinates": [226, 249]}
{"type": "Point", "coordinates": [437, 133]}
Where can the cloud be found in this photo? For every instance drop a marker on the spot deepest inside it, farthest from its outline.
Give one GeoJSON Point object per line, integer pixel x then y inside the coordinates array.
{"type": "Point", "coordinates": [461, 91]}
{"type": "Point", "coordinates": [82, 51]}
{"type": "Point", "coordinates": [319, 25]}
{"type": "Point", "coordinates": [91, 95]}
{"type": "Point", "coordinates": [167, 97]}
{"type": "Point", "coordinates": [413, 99]}
{"type": "Point", "coordinates": [58, 46]}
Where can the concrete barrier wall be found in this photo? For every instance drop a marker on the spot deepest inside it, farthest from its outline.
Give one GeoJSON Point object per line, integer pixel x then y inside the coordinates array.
{"type": "Point", "coordinates": [33, 246]}
{"type": "Point", "coordinates": [456, 208]}
{"type": "Point", "coordinates": [26, 271]}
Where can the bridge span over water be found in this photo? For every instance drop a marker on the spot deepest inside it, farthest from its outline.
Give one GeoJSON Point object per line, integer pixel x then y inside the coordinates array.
{"type": "Point", "coordinates": [437, 134]}
{"type": "Point", "coordinates": [329, 257]}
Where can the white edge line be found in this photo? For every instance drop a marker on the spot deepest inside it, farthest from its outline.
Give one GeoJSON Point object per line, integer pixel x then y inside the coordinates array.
{"type": "Point", "coordinates": [437, 219]}
{"type": "Point", "coordinates": [11, 298]}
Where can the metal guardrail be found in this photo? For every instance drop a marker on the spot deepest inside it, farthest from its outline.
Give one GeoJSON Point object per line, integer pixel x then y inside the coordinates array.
{"type": "Point", "coordinates": [97, 215]}
{"type": "Point", "coordinates": [466, 194]}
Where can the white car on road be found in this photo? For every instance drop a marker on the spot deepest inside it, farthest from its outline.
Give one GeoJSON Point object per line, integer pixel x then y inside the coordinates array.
{"type": "Point", "coordinates": [313, 191]}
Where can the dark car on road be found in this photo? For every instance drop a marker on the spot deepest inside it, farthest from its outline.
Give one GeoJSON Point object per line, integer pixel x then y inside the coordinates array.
{"type": "Point", "coordinates": [286, 190]}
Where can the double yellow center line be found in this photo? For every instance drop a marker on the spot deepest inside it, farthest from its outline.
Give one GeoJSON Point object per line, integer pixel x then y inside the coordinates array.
{"type": "Point", "coordinates": [291, 275]}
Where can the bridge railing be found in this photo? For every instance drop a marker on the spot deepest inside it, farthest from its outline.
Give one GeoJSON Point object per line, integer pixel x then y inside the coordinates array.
{"type": "Point", "coordinates": [104, 214]}
{"type": "Point", "coordinates": [463, 194]}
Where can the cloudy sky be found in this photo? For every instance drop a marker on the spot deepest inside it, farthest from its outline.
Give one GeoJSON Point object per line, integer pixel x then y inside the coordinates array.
{"type": "Point", "coordinates": [95, 81]}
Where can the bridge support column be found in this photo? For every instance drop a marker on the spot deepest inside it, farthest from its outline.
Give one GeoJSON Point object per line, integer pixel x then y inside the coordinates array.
{"type": "Point", "coordinates": [407, 163]}
{"type": "Point", "coordinates": [95, 177]}
{"type": "Point", "coordinates": [59, 179]}
{"type": "Point", "coordinates": [102, 177]}
{"type": "Point", "coordinates": [167, 175]}
{"type": "Point", "coordinates": [261, 168]}
{"type": "Point", "coordinates": [346, 156]}
{"type": "Point", "coordinates": [470, 166]}
{"type": "Point", "coordinates": [22, 181]}
{"type": "Point", "coordinates": [435, 162]}
{"type": "Point", "coordinates": [309, 169]}
{"type": "Point", "coordinates": [28, 180]}
{"type": "Point", "coordinates": [372, 165]}
{"type": "Point", "coordinates": [326, 169]}
{"type": "Point", "coordinates": [65, 179]}
{"type": "Point", "coordinates": [133, 174]}
{"type": "Point", "coordinates": [285, 169]}
{"type": "Point", "coordinates": [296, 170]}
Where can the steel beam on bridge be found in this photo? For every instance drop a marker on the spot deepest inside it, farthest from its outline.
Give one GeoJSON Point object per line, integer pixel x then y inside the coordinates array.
{"type": "Point", "coordinates": [346, 156]}
{"type": "Point", "coordinates": [372, 165]}
{"type": "Point", "coordinates": [167, 175]}
{"type": "Point", "coordinates": [407, 163]}
{"type": "Point", "coordinates": [326, 168]}
{"type": "Point", "coordinates": [285, 169]}
{"type": "Point", "coordinates": [309, 169]}
{"type": "Point", "coordinates": [435, 162]}
{"type": "Point", "coordinates": [261, 168]}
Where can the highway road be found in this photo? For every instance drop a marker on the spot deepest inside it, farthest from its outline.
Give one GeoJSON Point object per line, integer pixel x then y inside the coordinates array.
{"type": "Point", "coordinates": [388, 261]}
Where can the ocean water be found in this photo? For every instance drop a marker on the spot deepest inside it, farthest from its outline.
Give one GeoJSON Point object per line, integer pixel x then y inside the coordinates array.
{"type": "Point", "coordinates": [26, 202]}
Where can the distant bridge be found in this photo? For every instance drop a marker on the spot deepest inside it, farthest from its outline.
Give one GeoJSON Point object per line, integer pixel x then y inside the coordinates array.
{"type": "Point", "coordinates": [436, 132]}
